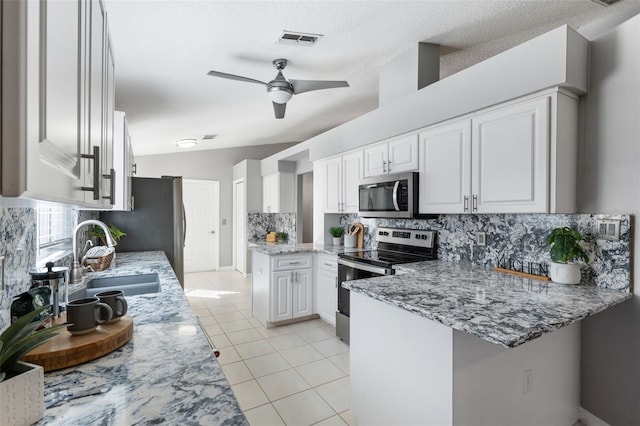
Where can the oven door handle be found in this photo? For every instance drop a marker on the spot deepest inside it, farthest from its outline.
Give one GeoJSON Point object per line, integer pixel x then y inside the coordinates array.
{"type": "Point", "coordinates": [395, 195]}
{"type": "Point", "coordinates": [363, 267]}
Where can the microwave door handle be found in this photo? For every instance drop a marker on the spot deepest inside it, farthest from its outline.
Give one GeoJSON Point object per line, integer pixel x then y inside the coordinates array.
{"type": "Point", "coordinates": [395, 195]}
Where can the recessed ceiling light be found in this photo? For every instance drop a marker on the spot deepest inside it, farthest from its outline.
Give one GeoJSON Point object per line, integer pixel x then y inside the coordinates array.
{"type": "Point", "coordinates": [186, 143]}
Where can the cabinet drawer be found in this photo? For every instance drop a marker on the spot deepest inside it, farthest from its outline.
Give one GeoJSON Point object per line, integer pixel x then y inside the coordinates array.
{"type": "Point", "coordinates": [328, 263]}
{"type": "Point", "coordinates": [292, 262]}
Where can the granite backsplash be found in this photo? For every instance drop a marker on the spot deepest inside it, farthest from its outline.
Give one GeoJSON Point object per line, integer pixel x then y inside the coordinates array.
{"type": "Point", "coordinates": [521, 236]}
{"type": "Point", "coordinates": [261, 223]}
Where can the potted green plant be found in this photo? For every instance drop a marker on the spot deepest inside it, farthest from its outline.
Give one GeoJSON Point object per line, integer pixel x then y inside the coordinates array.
{"type": "Point", "coordinates": [336, 232]}
{"type": "Point", "coordinates": [116, 233]}
{"type": "Point", "coordinates": [282, 237]}
{"type": "Point", "coordinates": [564, 248]}
{"type": "Point", "coordinates": [21, 381]}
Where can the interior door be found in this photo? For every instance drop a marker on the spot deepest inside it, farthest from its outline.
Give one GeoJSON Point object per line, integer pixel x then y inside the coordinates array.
{"type": "Point", "coordinates": [239, 226]}
{"type": "Point", "coordinates": [202, 208]}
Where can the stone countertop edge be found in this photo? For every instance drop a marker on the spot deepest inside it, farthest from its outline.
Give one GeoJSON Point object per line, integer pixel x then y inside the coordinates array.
{"type": "Point", "coordinates": [500, 308]}
{"type": "Point", "coordinates": [166, 374]}
{"type": "Point", "coordinates": [273, 249]}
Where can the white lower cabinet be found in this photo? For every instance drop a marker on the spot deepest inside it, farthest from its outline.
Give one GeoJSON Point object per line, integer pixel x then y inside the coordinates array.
{"type": "Point", "coordinates": [282, 287]}
{"type": "Point", "coordinates": [327, 287]}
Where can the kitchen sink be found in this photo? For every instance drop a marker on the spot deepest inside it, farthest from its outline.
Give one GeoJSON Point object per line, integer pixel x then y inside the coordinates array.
{"type": "Point", "coordinates": [131, 285]}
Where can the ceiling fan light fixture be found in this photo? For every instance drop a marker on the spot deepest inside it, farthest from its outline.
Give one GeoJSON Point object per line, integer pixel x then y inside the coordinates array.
{"type": "Point", "coordinates": [186, 143]}
{"type": "Point", "coordinates": [280, 95]}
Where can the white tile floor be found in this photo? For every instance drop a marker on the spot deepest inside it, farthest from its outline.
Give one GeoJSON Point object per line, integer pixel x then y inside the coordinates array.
{"type": "Point", "coordinates": [291, 375]}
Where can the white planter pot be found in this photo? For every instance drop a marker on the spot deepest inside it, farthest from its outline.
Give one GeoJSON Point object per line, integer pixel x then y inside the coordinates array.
{"type": "Point", "coordinates": [337, 241]}
{"type": "Point", "coordinates": [564, 273]}
{"type": "Point", "coordinates": [22, 396]}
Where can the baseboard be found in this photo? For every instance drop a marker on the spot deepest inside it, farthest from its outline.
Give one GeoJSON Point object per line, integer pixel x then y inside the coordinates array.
{"type": "Point", "coordinates": [589, 419]}
{"type": "Point", "coordinates": [225, 268]}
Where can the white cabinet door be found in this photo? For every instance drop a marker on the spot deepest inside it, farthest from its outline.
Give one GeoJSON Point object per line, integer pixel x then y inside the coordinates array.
{"type": "Point", "coordinates": [510, 159]}
{"type": "Point", "coordinates": [403, 154]}
{"type": "Point", "coordinates": [445, 168]}
{"type": "Point", "coordinates": [270, 193]}
{"type": "Point", "coordinates": [375, 160]}
{"type": "Point", "coordinates": [123, 162]}
{"type": "Point", "coordinates": [352, 173]}
{"type": "Point", "coordinates": [302, 293]}
{"type": "Point", "coordinates": [332, 187]}
{"type": "Point", "coordinates": [327, 287]}
{"type": "Point", "coordinates": [109, 174]}
{"type": "Point", "coordinates": [281, 296]}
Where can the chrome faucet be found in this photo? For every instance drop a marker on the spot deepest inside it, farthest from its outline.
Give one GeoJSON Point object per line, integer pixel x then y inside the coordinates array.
{"type": "Point", "coordinates": [75, 275]}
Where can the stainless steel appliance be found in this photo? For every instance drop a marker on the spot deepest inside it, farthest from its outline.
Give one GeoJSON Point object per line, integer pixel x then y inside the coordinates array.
{"type": "Point", "coordinates": [389, 196]}
{"type": "Point", "coordinates": [157, 221]}
{"type": "Point", "coordinates": [395, 246]}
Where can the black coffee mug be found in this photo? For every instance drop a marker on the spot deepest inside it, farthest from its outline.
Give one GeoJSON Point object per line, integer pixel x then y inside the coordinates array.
{"type": "Point", "coordinates": [116, 301]}
{"type": "Point", "coordinates": [84, 315]}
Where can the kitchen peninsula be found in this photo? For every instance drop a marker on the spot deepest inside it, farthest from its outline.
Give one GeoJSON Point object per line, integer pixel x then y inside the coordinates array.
{"type": "Point", "coordinates": [166, 374]}
{"type": "Point", "coordinates": [443, 343]}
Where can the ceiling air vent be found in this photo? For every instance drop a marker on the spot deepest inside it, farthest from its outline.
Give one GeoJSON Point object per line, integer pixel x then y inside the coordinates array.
{"type": "Point", "coordinates": [208, 137]}
{"type": "Point", "coordinates": [300, 39]}
{"type": "Point", "coordinates": [605, 2]}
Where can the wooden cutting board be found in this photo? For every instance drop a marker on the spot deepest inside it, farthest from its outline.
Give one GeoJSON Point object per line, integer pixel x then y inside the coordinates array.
{"type": "Point", "coordinates": [66, 350]}
{"type": "Point", "coordinates": [359, 235]}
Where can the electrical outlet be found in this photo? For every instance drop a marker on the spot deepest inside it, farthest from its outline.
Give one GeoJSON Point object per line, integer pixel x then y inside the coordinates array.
{"type": "Point", "coordinates": [1, 273]}
{"type": "Point", "coordinates": [481, 238]}
{"type": "Point", "coordinates": [608, 229]}
{"type": "Point", "coordinates": [528, 382]}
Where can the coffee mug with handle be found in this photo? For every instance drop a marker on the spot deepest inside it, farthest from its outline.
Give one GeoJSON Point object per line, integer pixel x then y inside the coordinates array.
{"type": "Point", "coordinates": [84, 315]}
{"type": "Point", "coordinates": [115, 299]}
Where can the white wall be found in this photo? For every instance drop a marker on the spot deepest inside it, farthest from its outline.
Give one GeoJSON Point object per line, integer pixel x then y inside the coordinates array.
{"type": "Point", "coordinates": [214, 164]}
{"type": "Point", "coordinates": [609, 181]}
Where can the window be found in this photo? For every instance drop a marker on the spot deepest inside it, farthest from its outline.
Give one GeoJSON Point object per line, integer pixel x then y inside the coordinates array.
{"type": "Point", "coordinates": [55, 224]}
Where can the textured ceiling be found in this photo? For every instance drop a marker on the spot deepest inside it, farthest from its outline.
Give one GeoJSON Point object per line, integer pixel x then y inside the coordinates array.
{"type": "Point", "coordinates": [164, 49]}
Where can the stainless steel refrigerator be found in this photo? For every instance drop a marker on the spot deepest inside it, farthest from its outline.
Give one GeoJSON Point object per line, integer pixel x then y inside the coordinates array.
{"type": "Point", "coordinates": [157, 221]}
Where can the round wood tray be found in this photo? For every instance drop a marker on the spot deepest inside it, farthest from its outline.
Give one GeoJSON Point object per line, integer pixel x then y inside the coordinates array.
{"type": "Point", "coordinates": [66, 350]}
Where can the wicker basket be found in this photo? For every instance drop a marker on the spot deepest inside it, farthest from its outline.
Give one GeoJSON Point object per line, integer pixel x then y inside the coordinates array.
{"type": "Point", "coordinates": [99, 258]}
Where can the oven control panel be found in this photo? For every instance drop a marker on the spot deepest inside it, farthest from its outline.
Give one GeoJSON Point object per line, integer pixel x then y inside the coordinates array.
{"type": "Point", "coordinates": [409, 237]}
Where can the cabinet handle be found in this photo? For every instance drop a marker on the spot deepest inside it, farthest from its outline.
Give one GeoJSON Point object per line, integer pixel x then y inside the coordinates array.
{"type": "Point", "coordinates": [112, 187]}
{"type": "Point", "coordinates": [96, 173]}
{"type": "Point", "coordinates": [389, 166]}
{"type": "Point", "coordinates": [475, 203]}
{"type": "Point", "coordinates": [330, 265]}
{"type": "Point", "coordinates": [295, 263]}
{"type": "Point", "coordinates": [384, 166]}
{"type": "Point", "coordinates": [134, 169]}
{"type": "Point", "coordinates": [336, 282]}
{"type": "Point", "coordinates": [466, 203]}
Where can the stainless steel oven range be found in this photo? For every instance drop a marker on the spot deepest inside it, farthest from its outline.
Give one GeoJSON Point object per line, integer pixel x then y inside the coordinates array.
{"type": "Point", "coordinates": [395, 246]}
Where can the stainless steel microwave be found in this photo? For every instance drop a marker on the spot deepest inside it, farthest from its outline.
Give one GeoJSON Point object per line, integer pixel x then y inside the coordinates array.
{"type": "Point", "coordinates": [389, 196]}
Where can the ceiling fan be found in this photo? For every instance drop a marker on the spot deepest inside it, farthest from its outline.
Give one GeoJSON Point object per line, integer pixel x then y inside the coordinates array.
{"type": "Point", "coordinates": [280, 89]}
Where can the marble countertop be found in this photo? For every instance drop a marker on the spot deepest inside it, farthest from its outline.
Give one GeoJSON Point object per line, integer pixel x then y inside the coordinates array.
{"type": "Point", "coordinates": [499, 308]}
{"type": "Point", "coordinates": [167, 374]}
{"type": "Point", "coordinates": [286, 248]}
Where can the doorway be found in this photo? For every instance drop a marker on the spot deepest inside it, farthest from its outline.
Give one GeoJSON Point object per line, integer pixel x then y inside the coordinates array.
{"type": "Point", "coordinates": [304, 218]}
{"type": "Point", "coordinates": [239, 226]}
{"type": "Point", "coordinates": [202, 211]}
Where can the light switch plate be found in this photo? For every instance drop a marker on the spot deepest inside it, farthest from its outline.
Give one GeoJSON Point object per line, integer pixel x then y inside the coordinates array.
{"type": "Point", "coordinates": [1, 273]}
{"type": "Point", "coordinates": [608, 229]}
{"type": "Point", "coordinates": [481, 238]}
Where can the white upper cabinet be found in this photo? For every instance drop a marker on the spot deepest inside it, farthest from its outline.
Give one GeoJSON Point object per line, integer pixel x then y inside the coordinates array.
{"type": "Point", "coordinates": [395, 156]}
{"type": "Point", "coordinates": [510, 159]}
{"type": "Point", "coordinates": [445, 172]}
{"type": "Point", "coordinates": [340, 178]}
{"type": "Point", "coordinates": [278, 193]}
{"type": "Point", "coordinates": [54, 72]}
{"type": "Point", "coordinates": [517, 158]}
{"type": "Point", "coordinates": [123, 163]}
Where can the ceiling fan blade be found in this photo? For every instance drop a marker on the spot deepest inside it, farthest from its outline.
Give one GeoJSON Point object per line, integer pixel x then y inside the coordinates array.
{"type": "Point", "coordinates": [234, 77]}
{"type": "Point", "coordinates": [279, 109]}
{"type": "Point", "coordinates": [301, 86]}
